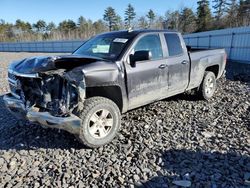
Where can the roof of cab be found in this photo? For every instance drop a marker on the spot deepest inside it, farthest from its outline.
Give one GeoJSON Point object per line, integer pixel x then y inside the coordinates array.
{"type": "Point", "coordinates": [136, 32]}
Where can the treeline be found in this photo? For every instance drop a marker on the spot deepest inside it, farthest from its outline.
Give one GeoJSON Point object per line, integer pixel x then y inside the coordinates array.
{"type": "Point", "coordinates": [225, 14]}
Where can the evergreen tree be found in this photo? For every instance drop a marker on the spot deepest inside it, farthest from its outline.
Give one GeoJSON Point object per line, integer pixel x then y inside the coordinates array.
{"type": "Point", "coordinates": [129, 16]}
{"type": "Point", "coordinates": [50, 31]}
{"type": "Point", "coordinates": [85, 27]}
{"type": "Point", "coordinates": [119, 24]}
{"type": "Point", "coordinates": [151, 16]}
{"type": "Point", "coordinates": [228, 13]}
{"type": "Point", "coordinates": [23, 26]}
{"type": "Point", "coordinates": [187, 21]}
{"type": "Point", "coordinates": [81, 21]}
{"type": "Point", "coordinates": [111, 18]}
{"type": "Point", "coordinates": [204, 18]}
{"type": "Point", "coordinates": [40, 26]}
{"type": "Point", "coordinates": [51, 26]}
{"type": "Point", "coordinates": [81, 24]}
{"type": "Point", "coordinates": [67, 26]}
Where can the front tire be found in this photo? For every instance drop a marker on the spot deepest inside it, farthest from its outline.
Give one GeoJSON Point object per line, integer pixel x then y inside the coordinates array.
{"type": "Point", "coordinates": [208, 86]}
{"type": "Point", "coordinates": [101, 120]}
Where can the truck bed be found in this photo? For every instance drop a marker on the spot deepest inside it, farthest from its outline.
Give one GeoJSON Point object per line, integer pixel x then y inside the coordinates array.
{"type": "Point", "coordinates": [199, 49]}
{"type": "Point", "coordinates": [200, 59]}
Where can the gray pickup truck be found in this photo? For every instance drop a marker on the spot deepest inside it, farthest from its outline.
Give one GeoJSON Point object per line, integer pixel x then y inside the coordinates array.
{"type": "Point", "coordinates": [86, 92]}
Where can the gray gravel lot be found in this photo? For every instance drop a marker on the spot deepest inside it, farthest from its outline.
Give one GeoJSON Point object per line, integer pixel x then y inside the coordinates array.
{"type": "Point", "coordinates": [177, 141]}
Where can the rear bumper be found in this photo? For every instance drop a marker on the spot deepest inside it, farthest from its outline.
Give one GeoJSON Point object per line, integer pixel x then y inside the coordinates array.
{"type": "Point", "coordinates": [17, 108]}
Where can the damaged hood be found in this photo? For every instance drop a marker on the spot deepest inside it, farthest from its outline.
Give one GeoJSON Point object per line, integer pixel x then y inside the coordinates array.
{"type": "Point", "coordinates": [46, 63]}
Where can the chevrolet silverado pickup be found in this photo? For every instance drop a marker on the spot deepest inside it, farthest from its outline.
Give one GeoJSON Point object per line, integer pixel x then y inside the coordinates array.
{"type": "Point", "coordinates": [85, 93]}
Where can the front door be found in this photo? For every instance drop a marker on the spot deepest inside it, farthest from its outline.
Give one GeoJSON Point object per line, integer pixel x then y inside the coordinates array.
{"type": "Point", "coordinates": [147, 81]}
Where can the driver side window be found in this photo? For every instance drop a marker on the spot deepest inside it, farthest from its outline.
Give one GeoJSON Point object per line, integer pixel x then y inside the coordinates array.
{"type": "Point", "coordinates": [150, 43]}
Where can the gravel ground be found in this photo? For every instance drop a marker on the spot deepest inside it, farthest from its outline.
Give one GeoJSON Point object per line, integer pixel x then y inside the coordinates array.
{"type": "Point", "coordinates": [177, 141]}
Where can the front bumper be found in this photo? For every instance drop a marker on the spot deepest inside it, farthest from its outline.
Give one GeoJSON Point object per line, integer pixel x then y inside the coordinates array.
{"type": "Point", "coordinates": [17, 108]}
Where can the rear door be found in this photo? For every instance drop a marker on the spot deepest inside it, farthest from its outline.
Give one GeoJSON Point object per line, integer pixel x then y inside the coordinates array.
{"type": "Point", "coordinates": [177, 62]}
{"type": "Point", "coordinates": [147, 80]}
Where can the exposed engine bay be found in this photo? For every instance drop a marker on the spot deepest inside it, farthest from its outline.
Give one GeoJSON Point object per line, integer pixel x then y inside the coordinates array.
{"type": "Point", "coordinates": [55, 91]}
{"type": "Point", "coordinates": [56, 84]}
{"type": "Point", "coordinates": [51, 92]}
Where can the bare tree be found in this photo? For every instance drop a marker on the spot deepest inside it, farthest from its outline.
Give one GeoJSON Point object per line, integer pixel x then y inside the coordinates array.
{"type": "Point", "coordinates": [220, 8]}
{"type": "Point", "coordinates": [232, 14]}
{"type": "Point", "coordinates": [244, 12]}
{"type": "Point", "coordinates": [142, 22]}
{"type": "Point", "coordinates": [172, 20]}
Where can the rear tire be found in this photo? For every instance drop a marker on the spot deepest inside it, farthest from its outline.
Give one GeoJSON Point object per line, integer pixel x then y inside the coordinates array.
{"type": "Point", "coordinates": [101, 121]}
{"type": "Point", "coordinates": [208, 86]}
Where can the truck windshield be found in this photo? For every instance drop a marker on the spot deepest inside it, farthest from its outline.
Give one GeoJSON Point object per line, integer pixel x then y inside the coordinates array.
{"type": "Point", "coordinates": [104, 46]}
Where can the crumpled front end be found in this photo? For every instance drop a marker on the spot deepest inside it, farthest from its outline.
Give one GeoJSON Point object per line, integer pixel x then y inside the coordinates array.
{"type": "Point", "coordinates": [49, 98]}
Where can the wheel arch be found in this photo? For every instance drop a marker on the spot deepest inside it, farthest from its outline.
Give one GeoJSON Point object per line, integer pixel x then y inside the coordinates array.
{"type": "Point", "coordinates": [214, 69]}
{"type": "Point", "coordinates": [113, 93]}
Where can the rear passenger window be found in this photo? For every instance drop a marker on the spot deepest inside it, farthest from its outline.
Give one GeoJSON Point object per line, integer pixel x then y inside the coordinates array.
{"type": "Point", "coordinates": [174, 44]}
{"type": "Point", "coordinates": [151, 43]}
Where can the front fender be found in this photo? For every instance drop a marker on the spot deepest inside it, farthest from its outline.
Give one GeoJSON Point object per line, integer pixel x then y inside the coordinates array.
{"type": "Point", "coordinates": [101, 74]}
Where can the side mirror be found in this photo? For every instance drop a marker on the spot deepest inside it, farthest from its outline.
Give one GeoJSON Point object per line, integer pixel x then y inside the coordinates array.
{"type": "Point", "coordinates": [189, 48]}
{"type": "Point", "coordinates": [141, 55]}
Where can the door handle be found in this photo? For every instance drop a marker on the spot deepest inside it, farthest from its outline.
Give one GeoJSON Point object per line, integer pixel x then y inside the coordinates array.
{"type": "Point", "coordinates": [162, 66]}
{"type": "Point", "coordinates": [184, 62]}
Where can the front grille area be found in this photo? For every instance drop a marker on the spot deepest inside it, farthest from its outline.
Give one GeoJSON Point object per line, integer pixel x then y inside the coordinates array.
{"type": "Point", "coordinates": [12, 76]}
{"type": "Point", "coordinates": [14, 85]}
{"type": "Point", "coordinates": [51, 93]}
{"type": "Point", "coordinates": [13, 89]}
